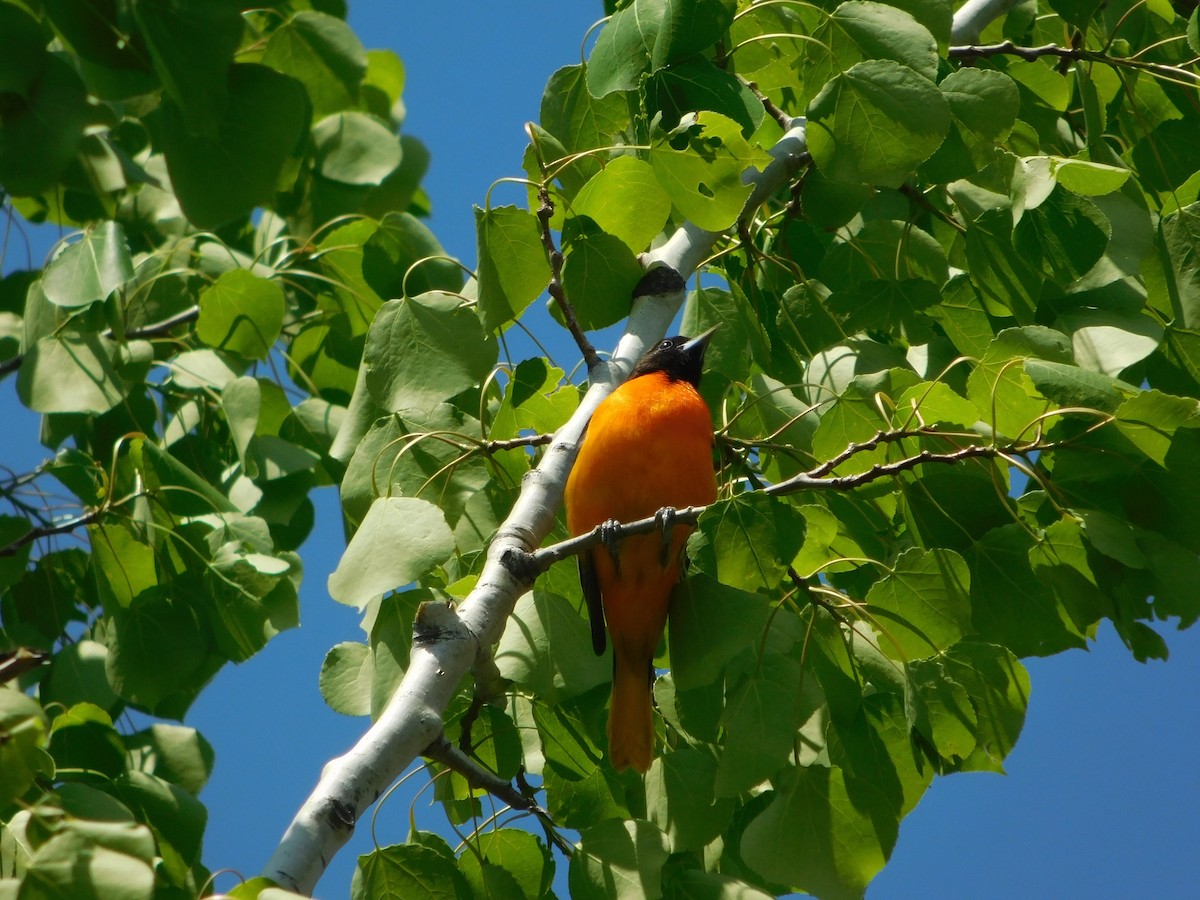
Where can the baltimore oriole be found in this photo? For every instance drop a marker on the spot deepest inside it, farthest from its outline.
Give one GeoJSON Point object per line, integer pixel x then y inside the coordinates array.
{"type": "Point", "coordinates": [648, 447]}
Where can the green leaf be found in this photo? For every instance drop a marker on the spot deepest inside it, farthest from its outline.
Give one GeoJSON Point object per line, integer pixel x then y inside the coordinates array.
{"type": "Point", "coordinates": [691, 884]}
{"type": "Point", "coordinates": [935, 402]}
{"type": "Point", "coordinates": [857, 31]}
{"type": "Point", "coordinates": [89, 269]}
{"type": "Point", "coordinates": [175, 753]}
{"type": "Point", "coordinates": [22, 739]}
{"type": "Point", "coordinates": [625, 200]}
{"type": "Point", "coordinates": [205, 369]}
{"type": "Point", "coordinates": [999, 387]}
{"type": "Point", "coordinates": [423, 350]}
{"type": "Point", "coordinates": [1150, 419]}
{"type": "Point", "coordinates": [322, 53]}
{"type": "Point", "coordinates": [547, 648]}
{"type": "Point", "coordinates": [77, 676]}
{"type": "Point", "coordinates": [983, 102]}
{"type": "Point", "coordinates": [1063, 237]}
{"type": "Point", "coordinates": [945, 713]}
{"type": "Point", "coordinates": [513, 269]}
{"type": "Point", "coordinates": [923, 605]}
{"type": "Point", "coordinates": [700, 166]}
{"type": "Point", "coordinates": [584, 801]}
{"type": "Point", "coordinates": [223, 176]}
{"type": "Point", "coordinates": [619, 859]}
{"type": "Point", "coordinates": [408, 870]}
{"type": "Point", "coordinates": [400, 540]}
{"type": "Point", "coordinates": [12, 567]}
{"type": "Point", "coordinates": [1179, 238]}
{"type": "Point", "coordinates": [241, 313]}
{"type": "Point", "coordinates": [710, 625]}
{"type": "Point", "coordinates": [747, 541]}
{"type": "Point", "coordinates": [816, 836]}
{"type": "Point", "coordinates": [398, 456]}
{"type": "Point", "coordinates": [883, 304]}
{"type": "Point", "coordinates": [158, 655]}
{"type": "Point", "coordinates": [537, 398]}
{"type": "Point", "coordinates": [998, 686]}
{"type": "Point", "coordinates": [580, 121]}
{"type": "Point", "coordinates": [1068, 385]}
{"type": "Point", "coordinates": [353, 148]}
{"type": "Point", "coordinates": [1077, 13]}
{"type": "Point", "coordinates": [345, 679]}
{"type": "Point", "coordinates": [680, 801]}
{"type": "Point", "coordinates": [1110, 341]}
{"type": "Point", "coordinates": [517, 854]}
{"type": "Point", "coordinates": [599, 275]}
{"type": "Point", "coordinates": [71, 373]}
{"type": "Point", "coordinates": [399, 259]}
{"type": "Point", "coordinates": [875, 123]}
{"type": "Point", "coordinates": [42, 135]}
{"type": "Point", "coordinates": [176, 816]}
{"type": "Point", "coordinates": [1088, 178]}
{"type": "Point", "coordinates": [646, 35]}
{"type": "Point", "coordinates": [569, 749]}
{"type": "Point", "coordinates": [383, 86]}
{"type": "Point", "coordinates": [74, 864]}
{"type": "Point", "coordinates": [22, 51]}
{"type": "Point", "coordinates": [1011, 605]}
{"type": "Point", "coordinates": [760, 720]}
{"type": "Point", "coordinates": [886, 248]}
{"type": "Point", "coordinates": [695, 84]}
{"type": "Point", "coordinates": [158, 468]}
{"type": "Point", "coordinates": [191, 44]}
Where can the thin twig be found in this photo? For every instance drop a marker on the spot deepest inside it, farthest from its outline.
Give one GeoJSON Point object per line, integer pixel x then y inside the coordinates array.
{"type": "Point", "coordinates": [555, 289]}
{"type": "Point", "coordinates": [525, 567]}
{"type": "Point", "coordinates": [532, 440]}
{"type": "Point", "coordinates": [1029, 54]}
{"type": "Point", "coordinates": [154, 329]}
{"type": "Point", "coordinates": [768, 104]}
{"type": "Point", "coordinates": [64, 527]}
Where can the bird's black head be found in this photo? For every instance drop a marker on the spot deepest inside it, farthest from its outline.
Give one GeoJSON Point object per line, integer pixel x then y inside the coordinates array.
{"type": "Point", "coordinates": [680, 358]}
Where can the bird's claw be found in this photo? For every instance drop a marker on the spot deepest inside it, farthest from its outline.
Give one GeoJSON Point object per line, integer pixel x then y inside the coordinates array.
{"type": "Point", "coordinates": [665, 518]}
{"type": "Point", "coordinates": [610, 536]}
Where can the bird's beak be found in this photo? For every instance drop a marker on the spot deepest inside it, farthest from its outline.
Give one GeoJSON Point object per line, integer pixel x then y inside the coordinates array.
{"type": "Point", "coordinates": [697, 345]}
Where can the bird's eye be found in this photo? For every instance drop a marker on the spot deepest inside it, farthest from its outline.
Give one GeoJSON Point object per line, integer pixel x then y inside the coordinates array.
{"type": "Point", "coordinates": [665, 345]}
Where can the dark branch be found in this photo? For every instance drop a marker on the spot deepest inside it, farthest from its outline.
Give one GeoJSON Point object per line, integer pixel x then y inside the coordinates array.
{"type": "Point", "coordinates": [441, 750]}
{"type": "Point", "coordinates": [15, 663]}
{"type": "Point", "coordinates": [1008, 48]}
{"type": "Point", "coordinates": [555, 289]}
{"type": "Point", "coordinates": [532, 440]}
{"type": "Point", "coordinates": [806, 482]}
{"type": "Point", "coordinates": [525, 567]}
{"type": "Point", "coordinates": [64, 527]}
{"type": "Point", "coordinates": [769, 105]}
{"type": "Point", "coordinates": [1029, 54]}
{"type": "Point", "coordinates": [154, 329]}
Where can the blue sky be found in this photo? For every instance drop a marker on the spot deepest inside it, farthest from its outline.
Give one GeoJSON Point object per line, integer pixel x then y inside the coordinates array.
{"type": "Point", "coordinates": [1102, 798]}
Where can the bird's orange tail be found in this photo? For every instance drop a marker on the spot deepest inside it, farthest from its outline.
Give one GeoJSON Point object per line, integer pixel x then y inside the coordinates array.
{"type": "Point", "coordinates": [630, 719]}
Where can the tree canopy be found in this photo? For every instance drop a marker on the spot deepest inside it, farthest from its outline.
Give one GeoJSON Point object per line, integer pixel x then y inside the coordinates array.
{"type": "Point", "coordinates": [953, 255]}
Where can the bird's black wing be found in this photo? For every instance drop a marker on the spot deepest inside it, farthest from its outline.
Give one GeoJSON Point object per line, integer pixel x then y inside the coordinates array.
{"type": "Point", "coordinates": [591, 592]}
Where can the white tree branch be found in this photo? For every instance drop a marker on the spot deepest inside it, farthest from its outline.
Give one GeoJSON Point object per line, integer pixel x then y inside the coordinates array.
{"type": "Point", "coordinates": [974, 16]}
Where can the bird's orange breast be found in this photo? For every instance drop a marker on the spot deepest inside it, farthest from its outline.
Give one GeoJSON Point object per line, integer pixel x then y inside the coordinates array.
{"type": "Point", "coordinates": [649, 445]}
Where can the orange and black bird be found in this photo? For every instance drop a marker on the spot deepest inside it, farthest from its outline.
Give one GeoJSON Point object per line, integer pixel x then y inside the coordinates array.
{"type": "Point", "coordinates": [648, 447]}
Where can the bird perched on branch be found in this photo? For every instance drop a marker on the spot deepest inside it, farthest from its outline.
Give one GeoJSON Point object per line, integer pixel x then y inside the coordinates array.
{"type": "Point", "coordinates": [648, 447]}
